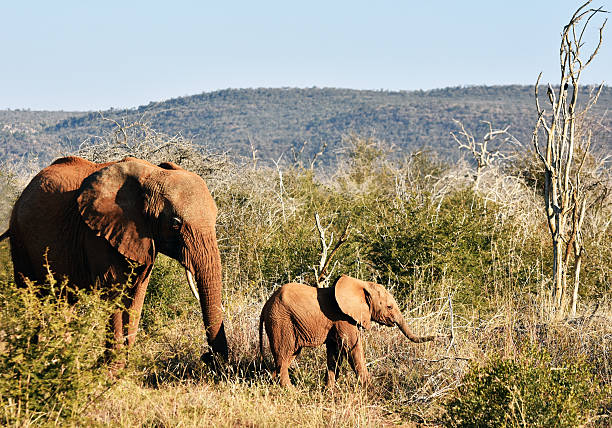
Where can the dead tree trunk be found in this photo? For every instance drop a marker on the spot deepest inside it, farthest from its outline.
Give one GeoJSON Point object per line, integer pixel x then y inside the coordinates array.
{"type": "Point", "coordinates": [562, 191]}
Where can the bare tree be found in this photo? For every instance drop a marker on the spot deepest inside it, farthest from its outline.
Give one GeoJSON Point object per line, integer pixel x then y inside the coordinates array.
{"type": "Point", "coordinates": [321, 273]}
{"type": "Point", "coordinates": [298, 156]}
{"type": "Point", "coordinates": [564, 152]}
{"type": "Point", "coordinates": [138, 139]}
{"type": "Point", "coordinates": [480, 150]}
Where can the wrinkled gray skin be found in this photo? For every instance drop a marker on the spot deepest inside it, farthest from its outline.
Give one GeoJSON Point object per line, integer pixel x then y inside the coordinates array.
{"type": "Point", "coordinates": [299, 315]}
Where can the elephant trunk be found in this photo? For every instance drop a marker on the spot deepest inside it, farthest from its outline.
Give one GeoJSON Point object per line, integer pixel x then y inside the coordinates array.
{"type": "Point", "coordinates": [410, 335]}
{"type": "Point", "coordinates": [206, 268]}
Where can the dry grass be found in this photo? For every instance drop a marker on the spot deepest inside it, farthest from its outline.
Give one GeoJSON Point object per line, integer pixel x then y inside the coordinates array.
{"type": "Point", "coordinates": [235, 404]}
{"type": "Point", "coordinates": [167, 385]}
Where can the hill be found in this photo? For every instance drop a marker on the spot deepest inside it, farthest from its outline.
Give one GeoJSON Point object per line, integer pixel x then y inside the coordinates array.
{"type": "Point", "coordinates": [274, 121]}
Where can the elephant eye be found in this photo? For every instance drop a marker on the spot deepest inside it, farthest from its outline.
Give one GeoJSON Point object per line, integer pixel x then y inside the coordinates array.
{"type": "Point", "coordinates": [176, 223]}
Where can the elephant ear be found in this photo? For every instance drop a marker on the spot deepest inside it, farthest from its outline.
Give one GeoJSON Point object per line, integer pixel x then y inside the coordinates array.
{"type": "Point", "coordinates": [111, 202]}
{"type": "Point", "coordinates": [170, 165]}
{"type": "Point", "coordinates": [351, 297]}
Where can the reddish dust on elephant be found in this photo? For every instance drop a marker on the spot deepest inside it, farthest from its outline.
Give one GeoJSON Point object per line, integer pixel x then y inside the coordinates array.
{"type": "Point", "coordinates": [98, 223]}
{"type": "Point", "coordinates": [298, 315]}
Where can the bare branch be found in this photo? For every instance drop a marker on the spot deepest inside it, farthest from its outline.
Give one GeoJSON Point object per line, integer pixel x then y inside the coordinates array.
{"type": "Point", "coordinates": [480, 151]}
{"type": "Point", "coordinates": [321, 272]}
{"type": "Point", "coordinates": [317, 154]}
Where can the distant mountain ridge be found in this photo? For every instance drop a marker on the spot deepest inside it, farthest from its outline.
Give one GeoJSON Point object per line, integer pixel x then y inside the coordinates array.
{"type": "Point", "coordinates": [275, 120]}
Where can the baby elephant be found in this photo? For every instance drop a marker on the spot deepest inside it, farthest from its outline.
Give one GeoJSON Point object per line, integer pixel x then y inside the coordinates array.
{"type": "Point", "coordinates": [299, 315]}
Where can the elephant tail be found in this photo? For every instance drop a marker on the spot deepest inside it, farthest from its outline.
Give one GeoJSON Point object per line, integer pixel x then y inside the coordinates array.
{"type": "Point", "coordinates": [261, 326]}
{"type": "Point", "coordinates": [5, 235]}
{"type": "Point", "coordinates": [261, 344]}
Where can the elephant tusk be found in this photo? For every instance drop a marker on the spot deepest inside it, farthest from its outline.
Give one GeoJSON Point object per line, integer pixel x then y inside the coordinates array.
{"type": "Point", "coordinates": [192, 284]}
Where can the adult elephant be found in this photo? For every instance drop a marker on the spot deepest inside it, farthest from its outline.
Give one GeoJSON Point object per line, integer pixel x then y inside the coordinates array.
{"type": "Point", "coordinates": [93, 223]}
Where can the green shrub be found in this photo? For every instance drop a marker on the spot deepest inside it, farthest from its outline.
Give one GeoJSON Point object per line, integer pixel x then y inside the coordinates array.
{"type": "Point", "coordinates": [430, 242]}
{"type": "Point", "coordinates": [51, 352]}
{"type": "Point", "coordinates": [6, 265]}
{"type": "Point", "coordinates": [528, 392]}
{"type": "Point", "coordinates": [168, 295]}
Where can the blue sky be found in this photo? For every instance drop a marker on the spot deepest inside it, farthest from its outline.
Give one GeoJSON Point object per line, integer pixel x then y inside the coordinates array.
{"type": "Point", "coordinates": [80, 55]}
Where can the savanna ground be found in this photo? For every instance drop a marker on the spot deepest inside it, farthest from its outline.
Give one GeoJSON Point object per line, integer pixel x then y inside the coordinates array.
{"type": "Point", "coordinates": [474, 262]}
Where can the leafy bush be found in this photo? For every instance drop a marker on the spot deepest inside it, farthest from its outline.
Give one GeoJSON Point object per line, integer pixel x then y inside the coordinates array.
{"type": "Point", "coordinates": [452, 240]}
{"type": "Point", "coordinates": [50, 351]}
{"type": "Point", "coordinates": [168, 295]}
{"type": "Point", "coordinates": [528, 391]}
{"type": "Point", "coordinates": [6, 265]}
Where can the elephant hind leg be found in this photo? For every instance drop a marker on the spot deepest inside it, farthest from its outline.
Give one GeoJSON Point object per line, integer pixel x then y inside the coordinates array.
{"type": "Point", "coordinates": [282, 368]}
{"type": "Point", "coordinates": [335, 356]}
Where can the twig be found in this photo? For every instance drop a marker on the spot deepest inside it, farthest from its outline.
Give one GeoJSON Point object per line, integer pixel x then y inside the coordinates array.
{"type": "Point", "coordinates": [425, 360]}
{"type": "Point", "coordinates": [452, 320]}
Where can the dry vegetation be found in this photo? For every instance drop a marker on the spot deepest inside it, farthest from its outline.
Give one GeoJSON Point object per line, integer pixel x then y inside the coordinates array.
{"type": "Point", "coordinates": [418, 227]}
{"type": "Point", "coordinates": [466, 252]}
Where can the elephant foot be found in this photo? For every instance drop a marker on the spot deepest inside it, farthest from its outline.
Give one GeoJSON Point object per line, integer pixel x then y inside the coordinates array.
{"type": "Point", "coordinates": [115, 368]}
{"type": "Point", "coordinates": [443, 339]}
{"type": "Point", "coordinates": [115, 361]}
{"type": "Point", "coordinates": [213, 360]}
{"type": "Point", "coordinates": [330, 383]}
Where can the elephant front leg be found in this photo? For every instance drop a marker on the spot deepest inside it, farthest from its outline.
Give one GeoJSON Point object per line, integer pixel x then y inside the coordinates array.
{"type": "Point", "coordinates": [115, 344]}
{"type": "Point", "coordinates": [135, 309]}
{"type": "Point", "coordinates": [357, 361]}
{"type": "Point", "coordinates": [126, 318]}
{"type": "Point", "coordinates": [117, 329]}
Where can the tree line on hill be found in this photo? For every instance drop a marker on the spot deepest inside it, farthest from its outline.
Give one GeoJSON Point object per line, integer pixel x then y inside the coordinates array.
{"type": "Point", "coordinates": [279, 122]}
